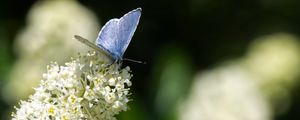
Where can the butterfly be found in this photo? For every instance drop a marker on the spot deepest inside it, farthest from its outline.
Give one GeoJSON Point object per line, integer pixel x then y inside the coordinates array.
{"type": "Point", "coordinates": [115, 35]}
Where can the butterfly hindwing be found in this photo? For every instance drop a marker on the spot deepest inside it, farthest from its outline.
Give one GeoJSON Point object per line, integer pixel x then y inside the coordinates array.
{"type": "Point", "coordinates": [107, 38]}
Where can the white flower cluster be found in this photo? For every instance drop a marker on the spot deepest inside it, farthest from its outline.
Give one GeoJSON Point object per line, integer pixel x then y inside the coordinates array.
{"type": "Point", "coordinates": [85, 88]}
{"type": "Point", "coordinates": [46, 37]}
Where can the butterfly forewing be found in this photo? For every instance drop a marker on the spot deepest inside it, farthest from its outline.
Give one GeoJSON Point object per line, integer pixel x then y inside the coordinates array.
{"type": "Point", "coordinates": [127, 26]}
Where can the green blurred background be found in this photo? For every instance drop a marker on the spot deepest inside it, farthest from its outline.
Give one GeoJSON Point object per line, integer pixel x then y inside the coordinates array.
{"type": "Point", "coordinates": [182, 41]}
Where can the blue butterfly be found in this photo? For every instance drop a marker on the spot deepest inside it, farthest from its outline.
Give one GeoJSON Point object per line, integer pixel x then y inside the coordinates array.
{"type": "Point", "coordinates": [115, 35]}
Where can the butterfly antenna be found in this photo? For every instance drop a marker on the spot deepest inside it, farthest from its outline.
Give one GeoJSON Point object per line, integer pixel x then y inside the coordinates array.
{"type": "Point", "coordinates": [136, 61]}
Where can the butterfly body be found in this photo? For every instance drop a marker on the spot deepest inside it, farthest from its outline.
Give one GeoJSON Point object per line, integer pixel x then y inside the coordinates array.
{"type": "Point", "coordinates": [115, 35]}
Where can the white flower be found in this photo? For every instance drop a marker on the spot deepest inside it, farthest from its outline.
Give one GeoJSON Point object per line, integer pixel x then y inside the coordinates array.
{"type": "Point", "coordinates": [226, 93]}
{"type": "Point", "coordinates": [47, 36]}
{"type": "Point", "coordinates": [85, 88]}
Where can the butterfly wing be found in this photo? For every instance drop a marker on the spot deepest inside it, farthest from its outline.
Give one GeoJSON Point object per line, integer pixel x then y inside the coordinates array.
{"type": "Point", "coordinates": [92, 45]}
{"type": "Point", "coordinates": [127, 26]}
{"type": "Point", "coordinates": [107, 38]}
{"type": "Point", "coordinates": [116, 34]}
